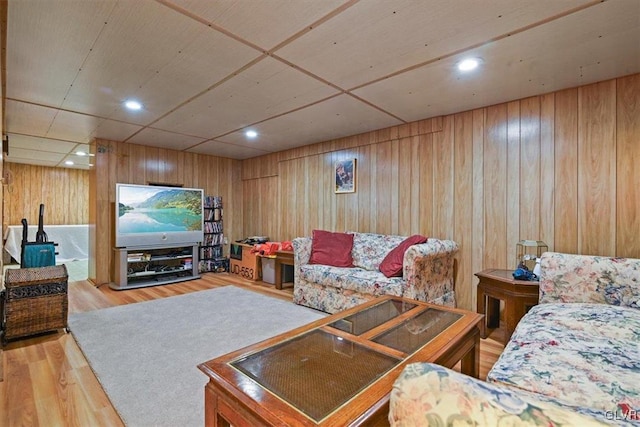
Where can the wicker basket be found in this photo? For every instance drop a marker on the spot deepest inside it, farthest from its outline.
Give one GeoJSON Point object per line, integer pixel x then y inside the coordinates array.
{"type": "Point", "coordinates": [35, 300]}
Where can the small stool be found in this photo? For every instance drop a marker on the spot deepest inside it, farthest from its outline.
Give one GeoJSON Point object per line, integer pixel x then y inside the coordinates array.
{"type": "Point", "coordinates": [35, 300]}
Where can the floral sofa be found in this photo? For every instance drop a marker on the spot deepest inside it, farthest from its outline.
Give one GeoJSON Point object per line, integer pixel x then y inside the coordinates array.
{"type": "Point", "coordinates": [427, 273]}
{"type": "Point", "coordinates": [574, 359]}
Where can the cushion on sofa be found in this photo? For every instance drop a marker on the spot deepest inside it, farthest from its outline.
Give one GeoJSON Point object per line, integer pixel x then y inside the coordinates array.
{"type": "Point", "coordinates": [428, 394]}
{"type": "Point", "coordinates": [369, 249]}
{"type": "Point", "coordinates": [329, 248]}
{"type": "Point", "coordinates": [391, 265]}
{"type": "Point", "coordinates": [585, 355]}
{"type": "Point", "coordinates": [355, 279]}
{"type": "Point", "coordinates": [591, 279]}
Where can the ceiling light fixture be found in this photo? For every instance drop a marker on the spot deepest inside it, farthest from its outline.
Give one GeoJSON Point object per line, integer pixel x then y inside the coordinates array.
{"type": "Point", "coordinates": [133, 105]}
{"type": "Point", "coordinates": [80, 153]}
{"type": "Point", "coordinates": [251, 134]}
{"type": "Point", "coordinates": [69, 163]}
{"type": "Point", "coordinates": [468, 64]}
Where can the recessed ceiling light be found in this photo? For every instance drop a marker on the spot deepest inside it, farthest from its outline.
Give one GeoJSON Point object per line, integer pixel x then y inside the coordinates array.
{"type": "Point", "coordinates": [468, 64]}
{"type": "Point", "coordinates": [133, 105]}
{"type": "Point", "coordinates": [80, 153]}
{"type": "Point", "coordinates": [251, 133]}
{"type": "Point", "coordinates": [69, 162]}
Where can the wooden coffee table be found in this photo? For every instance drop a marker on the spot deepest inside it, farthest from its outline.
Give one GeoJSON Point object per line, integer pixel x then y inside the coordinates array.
{"type": "Point", "coordinates": [338, 370]}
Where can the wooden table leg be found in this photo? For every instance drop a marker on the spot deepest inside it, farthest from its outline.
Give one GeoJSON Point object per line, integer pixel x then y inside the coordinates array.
{"type": "Point", "coordinates": [470, 363]}
{"type": "Point", "coordinates": [278, 274]}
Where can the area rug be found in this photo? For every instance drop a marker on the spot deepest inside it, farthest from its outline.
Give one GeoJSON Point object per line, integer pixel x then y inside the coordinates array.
{"type": "Point", "coordinates": [145, 355]}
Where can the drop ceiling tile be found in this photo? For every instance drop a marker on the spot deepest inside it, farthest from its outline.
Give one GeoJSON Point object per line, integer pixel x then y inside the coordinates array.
{"type": "Point", "coordinates": [221, 149]}
{"type": "Point", "coordinates": [73, 126]}
{"type": "Point", "coordinates": [27, 118]}
{"type": "Point", "coordinates": [115, 130]}
{"type": "Point", "coordinates": [78, 161]}
{"type": "Point", "coordinates": [375, 38]}
{"type": "Point", "coordinates": [162, 139]}
{"type": "Point", "coordinates": [207, 59]}
{"type": "Point", "coordinates": [142, 41]}
{"type": "Point", "coordinates": [264, 90]}
{"type": "Point", "coordinates": [334, 118]}
{"type": "Point", "coordinates": [564, 53]}
{"type": "Point", "coordinates": [39, 144]}
{"type": "Point", "coordinates": [85, 148]}
{"type": "Point", "coordinates": [47, 156]}
{"type": "Point", "coordinates": [30, 161]}
{"type": "Point", "coordinates": [47, 61]}
{"type": "Point", "coordinates": [265, 24]}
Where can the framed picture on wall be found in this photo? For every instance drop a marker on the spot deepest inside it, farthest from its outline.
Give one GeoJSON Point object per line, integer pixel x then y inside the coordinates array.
{"type": "Point", "coordinates": [345, 176]}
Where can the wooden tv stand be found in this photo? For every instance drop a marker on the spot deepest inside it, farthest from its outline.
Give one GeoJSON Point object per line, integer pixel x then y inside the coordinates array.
{"type": "Point", "coordinates": [154, 265]}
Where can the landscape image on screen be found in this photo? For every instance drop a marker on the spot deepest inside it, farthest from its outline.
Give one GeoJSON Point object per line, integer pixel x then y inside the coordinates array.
{"type": "Point", "coordinates": [152, 210]}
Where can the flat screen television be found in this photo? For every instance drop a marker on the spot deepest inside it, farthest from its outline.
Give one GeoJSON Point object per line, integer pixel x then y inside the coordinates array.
{"type": "Point", "coordinates": [149, 215]}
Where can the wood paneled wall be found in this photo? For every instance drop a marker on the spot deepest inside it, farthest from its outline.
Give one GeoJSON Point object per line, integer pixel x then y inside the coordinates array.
{"type": "Point", "coordinates": [64, 192]}
{"type": "Point", "coordinates": [118, 162]}
{"type": "Point", "coordinates": [559, 167]}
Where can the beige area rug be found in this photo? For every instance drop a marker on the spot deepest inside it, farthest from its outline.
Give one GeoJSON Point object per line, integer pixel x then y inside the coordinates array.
{"type": "Point", "coordinates": [145, 355]}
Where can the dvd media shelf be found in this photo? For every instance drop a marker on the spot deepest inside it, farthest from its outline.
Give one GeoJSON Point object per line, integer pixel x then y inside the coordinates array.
{"type": "Point", "coordinates": [154, 265]}
{"type": "Point", "coordinates": [211, 254]}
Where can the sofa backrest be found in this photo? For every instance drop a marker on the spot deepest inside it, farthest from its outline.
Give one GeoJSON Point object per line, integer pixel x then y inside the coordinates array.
{"type": "Point", "coordinates": [369, 249]}
{"type": "Point", "coordinates": [590, 279]}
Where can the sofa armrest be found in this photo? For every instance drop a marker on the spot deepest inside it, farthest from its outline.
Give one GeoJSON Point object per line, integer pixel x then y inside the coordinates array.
{"type": "Point", "coordinates": [429, 394]}
{"type": "Point", "coordinates": [428, 270]}
{"type": "Point", "coordinates": [589, 279]}
{"type": "Point", "coordinates": [301, 254]}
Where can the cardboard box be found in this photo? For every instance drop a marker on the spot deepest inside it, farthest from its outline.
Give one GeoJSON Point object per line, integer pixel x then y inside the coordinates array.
{"type": "Point", "coordinates": [247, 267]}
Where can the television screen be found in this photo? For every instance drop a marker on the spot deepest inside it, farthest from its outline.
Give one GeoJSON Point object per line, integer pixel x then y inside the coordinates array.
{"type": "Point", "coordinates": [154, 215]}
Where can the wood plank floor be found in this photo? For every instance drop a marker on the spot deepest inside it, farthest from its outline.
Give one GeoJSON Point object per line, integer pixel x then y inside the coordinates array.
{"type": "Point", "coordinates": [48, 382]}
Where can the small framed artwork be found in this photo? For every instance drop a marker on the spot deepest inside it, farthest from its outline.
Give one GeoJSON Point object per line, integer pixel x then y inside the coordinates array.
{"type": "Point", "coordinates": [345, 176]}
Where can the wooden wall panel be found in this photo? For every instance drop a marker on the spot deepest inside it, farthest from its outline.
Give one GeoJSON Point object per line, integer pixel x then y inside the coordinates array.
{"type": "Point", "coordinates": [443, 172]}
{"type": "Point", "coordinates": [463, 201]}
{"type": "Point", "coordinates": [559, 167]}
{"type": "Point", "coordinates": [514, 190]}
{"type": "Point", "coordinates": [425, 153]}
{"type": "Point", "coordinates": [628, 167]}
{"type": "Point", "coordinates": [529, 169]}
{"type": "Point", "coordinates": [596, 168]}
{"type": "Point", "coordinates": [404, 200]}
{"type": "Point", "coordinates": [383, 188]}
{"type": "Point", "coordinates": [495, 186]}
{"type": "Point", "coordinates": [64, 192]}
{"type": "Point", "coordinates": [566, 172]}
{"type": "Point", "coordinates": [547, 170]}
{"type": "Point", "coordinates": [363, 187]}
{"type": "Point", "coordinates": [477, 250]}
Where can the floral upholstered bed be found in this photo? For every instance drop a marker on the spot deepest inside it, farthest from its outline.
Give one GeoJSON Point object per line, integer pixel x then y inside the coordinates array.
{"type": "Point", "coordinates": [574, 357]}
{"type": "Point", "coordinates": [427, 273]}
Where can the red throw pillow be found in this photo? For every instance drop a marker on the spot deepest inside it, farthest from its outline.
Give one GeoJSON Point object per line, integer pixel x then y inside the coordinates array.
{"type": "Point", "coordinates": [391, 265]}
{"type": "Point", "coordinates": [333, 249]}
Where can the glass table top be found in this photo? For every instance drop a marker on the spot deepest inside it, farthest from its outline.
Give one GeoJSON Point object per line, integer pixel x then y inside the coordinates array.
{"type": "Point", "coordinates": [374, 316]}
{"type": "Point", "coordinates": [316, 372]}
{"type": "Point", "coordinates": [416, 331]}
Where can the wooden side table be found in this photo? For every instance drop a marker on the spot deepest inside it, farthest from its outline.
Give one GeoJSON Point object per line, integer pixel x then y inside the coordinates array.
{"type": "Point", "coordinates": [282, 257]}
{"type": "Point", "coordinates": [518, 296]}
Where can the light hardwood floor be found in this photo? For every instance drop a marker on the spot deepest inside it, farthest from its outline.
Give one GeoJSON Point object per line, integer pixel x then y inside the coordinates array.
{"type": "Point", "coordinates": [47, 381]}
